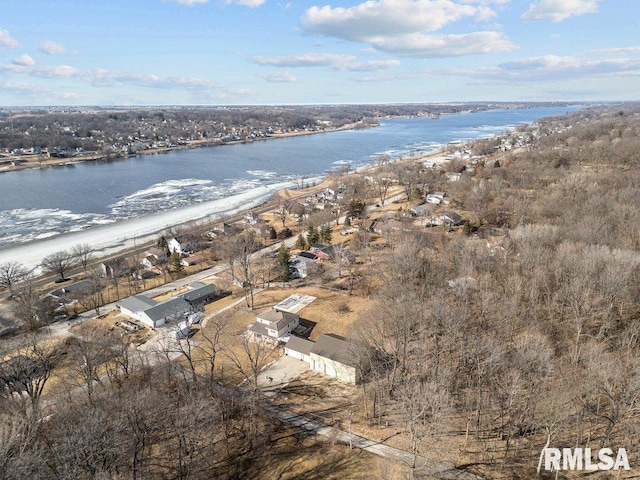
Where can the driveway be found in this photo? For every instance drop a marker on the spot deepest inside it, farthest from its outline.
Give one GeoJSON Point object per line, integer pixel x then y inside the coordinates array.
{"type": "Point", "coordinates": [282, 371]}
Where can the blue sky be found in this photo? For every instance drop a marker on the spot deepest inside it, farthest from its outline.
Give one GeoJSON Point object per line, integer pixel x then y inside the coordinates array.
{"type": "Point", "coordinates": [221, 52]}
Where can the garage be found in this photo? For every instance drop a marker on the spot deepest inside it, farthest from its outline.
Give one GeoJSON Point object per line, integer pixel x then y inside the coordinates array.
{"type": "Point", "coordinates": [299, 348]}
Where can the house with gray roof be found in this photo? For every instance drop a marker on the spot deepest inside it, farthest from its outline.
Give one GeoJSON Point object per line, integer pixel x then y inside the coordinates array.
{"type": "Point", "coordinates": [200, 293]}
{"type": "Point", "coordinates": [330, 355]}
{"type": "Point", "coordinates": [299, 348]}
{"type": "Point", "coordinates": [152, 313]}
{"type": "Point", "coordinates": [273, 325]}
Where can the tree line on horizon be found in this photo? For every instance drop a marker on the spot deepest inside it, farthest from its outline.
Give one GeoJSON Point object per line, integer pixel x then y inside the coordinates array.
{"type": "Point", "coordinates": [96, 129]}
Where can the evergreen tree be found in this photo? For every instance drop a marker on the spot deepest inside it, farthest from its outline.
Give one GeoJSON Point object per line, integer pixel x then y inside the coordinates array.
{"type": "Point", "coordinates": [325, 234]}
{"type": "Point", "coordinates": [301, 243]}
{"type": "Point", "coordinates": [284, 259]}
{"type": "Point", "coordinates": [312, 235]}
{"type": "Point", "coordinates": [356, 208]}
{"type": "Point", "coordinates": [176, 262]}
{"type": "Point", "coordinates": [162, 244]}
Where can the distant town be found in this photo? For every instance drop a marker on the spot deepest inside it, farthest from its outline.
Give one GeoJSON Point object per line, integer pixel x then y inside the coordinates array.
{"type": "Point", "coordinates": [48, 136]}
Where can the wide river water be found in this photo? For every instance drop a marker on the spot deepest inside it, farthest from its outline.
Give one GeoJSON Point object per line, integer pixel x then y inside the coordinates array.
{"type": "Point", "coordinates": [44, 203]}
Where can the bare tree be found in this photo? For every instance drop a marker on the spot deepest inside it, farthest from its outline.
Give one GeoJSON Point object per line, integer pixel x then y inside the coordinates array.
{"type": "Point", "coordinates": [382, 182]}
{"type": "Point", "coordinates": [32, 309]}
{"type": "Point", "coordinates": [211, 343]}
{"type": "Point", "coordinates": [83, 254]}
{"type": "Point", "coordinates": [58, 263]}
{"type": "Point", "coordinates": [29, 370]}
{"type": "Point", "coordinates": [90, 356]}
{"type": "Point", "coordinates": [251, 358]}
{"type": "Point", "coordinates": [423, 403]}
{"type": "Point", "coordinates": [91, 295]}
{"type": "Point", "coordinates": [239, 251]}
{"type": "Point", "coordinates": [11, 273]}
{"type": "Point", "coordinates": [283, 214]}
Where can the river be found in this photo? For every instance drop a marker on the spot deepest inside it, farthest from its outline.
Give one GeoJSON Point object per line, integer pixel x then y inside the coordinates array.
{"type": "Point", "coordinates": [154, 191]}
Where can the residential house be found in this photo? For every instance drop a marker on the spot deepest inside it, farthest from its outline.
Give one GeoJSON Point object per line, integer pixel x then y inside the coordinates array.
{"type": "Point", "coordinates": [323, 252]}
{"type": "Point", "coordinates": [332, 253]}
{"type": "Point", "coordinates": [185, 244]}
{"type": "Point", "coordinates": [192, 260]}
{"type": "Point", "coordinates": [330, 355]}
{"type": "Point", "coordinates": [72, 290]}
{"type": "Point", "coordinates": [450, 218]}
{"type": "Point", "coordinates": [113, 268]}
{"type": "Point", "coordinates": [152, 313]}
{"type": "Point", "coordinates": [420, 210]}
{"type": "Point", "coordinates": [199, 294]}
{"type": "Point", "coordinates": [273, 325]}
{"type": "Point", "coordinates": [370, 225]}
{"type": "Point", "coordinates": [436, 198]}
{"type": "Point", "coordinates": [251, 218]}
{"type": "Point", "coordinates": [152, 257]}
{"type": "Point", "coordinates": [308, 255]}
{"type": "Point", "coordinates": [177, 245]}
{"type": "Point", "coordinates": [298, 267]}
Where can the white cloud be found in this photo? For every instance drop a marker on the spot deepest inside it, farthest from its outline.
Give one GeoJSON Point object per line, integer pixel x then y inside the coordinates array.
{"type": "Point", "coordinates": [616, 51]}
{"type": "Point", "coordinates": [197, 87]}
{"type": "Point", "coordinates": [189, 2]}
{"type": "Point", "coordinates": [559, 10]}
{"type": "Point", "coordinates": [34, 91]}
{"type": "Point", "coordinates": [372, 65]}
{"type": "Point", "coordinates": [60, 71]}
{"type": "Point", "coordinates": [52, 48]}
{"type": "Point", "coordinates": [384, 18]}
{"type": "Point", "coordinates": [405, 27]}
{"type": "Point", "coordinates": [246, 3]}
{"type": "Point", "coordinates": [552, 66]}
{"type": "Point", "coordinates": [434, 46]}
{"type": "Point", "coordinates": [24, 60]}
{"type": "Point", "coordinates": [6, 40]}
{"type": "Point", "coordinates": [335, 61]}
{"type": "Point", "coordinates": [278, 77]}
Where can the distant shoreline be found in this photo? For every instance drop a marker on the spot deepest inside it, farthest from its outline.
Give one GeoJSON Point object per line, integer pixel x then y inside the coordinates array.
{"type": "Point", "coordinates": [14, 163]}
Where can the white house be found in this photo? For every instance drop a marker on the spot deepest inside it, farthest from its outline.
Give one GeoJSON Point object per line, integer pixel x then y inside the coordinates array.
{"type": "Point", "coordinates": [273, 325]}
{"type": "Point", "coordinates": [174, 245]}
{"type": "Point", "coordinates": [436, 197]}
{"type": "Point", "coordinates": [449, 218]}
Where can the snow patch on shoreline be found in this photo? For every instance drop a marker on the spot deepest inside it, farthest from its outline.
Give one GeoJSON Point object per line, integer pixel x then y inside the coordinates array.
{"type": "Point", "coordinates": [112, 238]}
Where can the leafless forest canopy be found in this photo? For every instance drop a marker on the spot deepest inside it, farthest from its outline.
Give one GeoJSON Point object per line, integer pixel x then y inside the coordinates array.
{"type": "Point", "coordinates": [518, 331]}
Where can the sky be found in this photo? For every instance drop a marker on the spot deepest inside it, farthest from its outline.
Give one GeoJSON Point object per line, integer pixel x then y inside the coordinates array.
{"type": "Point", "coordinates": [275, 52]}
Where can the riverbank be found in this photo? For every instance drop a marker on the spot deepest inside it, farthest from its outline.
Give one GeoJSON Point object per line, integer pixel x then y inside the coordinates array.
{"type": "Point", "coordinates": [181, 193]}
{"type": "Point", "coordinates": [117, 237]}
{"type": "Point", "coordinates": [127, 235]}
{"type": "Point", "coordinates": [11, 163]}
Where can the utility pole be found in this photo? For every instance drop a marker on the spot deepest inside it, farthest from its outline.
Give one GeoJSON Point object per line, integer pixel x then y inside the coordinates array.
{"type": "Point", "coordinates": [350, 414]}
